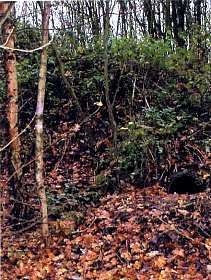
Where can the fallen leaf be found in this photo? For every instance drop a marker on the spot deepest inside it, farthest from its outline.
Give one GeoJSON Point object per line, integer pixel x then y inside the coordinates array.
{"type": "Point", "coordinates": [160, 262]}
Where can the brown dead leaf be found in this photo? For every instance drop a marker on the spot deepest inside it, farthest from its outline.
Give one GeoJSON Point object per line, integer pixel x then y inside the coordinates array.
{"type": "Point", "coordinates": [164, 227]}
{"type": "Point", "coordinates": [165, 274]}
{"type": "Point", "coordinates": [108, 257]}
{"type": "Point", "coordinates": [178, 252]}
{"type": "Point", "coordinates": [91, 256]}
{"type": "Point", "coordinates": [107, 275]}
{"type": "Point", "coordinates": [88, 239]}
{"type": "Point", "coordinates": [21, 270]}
{"type": "Point", "coordinates": [126, 255]}
{"type": "Point", "coordinates": [114, 262]}
{"type": "Point", "coordinates": [135, 247]}
{"type": "Point", "coordinates": [67, 226]}
{"type": "Point", "coordinates": [104, 214]}
{"type": "Point", "coordinates": [160, 262]}
{"type": "Point", "coordinates": [137, 265]}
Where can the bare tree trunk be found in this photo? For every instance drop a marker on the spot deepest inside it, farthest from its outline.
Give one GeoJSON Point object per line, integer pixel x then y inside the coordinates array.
{"type": "Point", "coordinates": [39, 121]}
{"type": "Point", "coordinates": [108, 102]}
{"type": "Point", "coordinates": [149, 14]}
{"type": "Point", "coordinates": [198, 11]}
{"type": "Point", "coordinates": [12, 91]}
{"type": "Point", "coordinates": [167, 14]}
{"type": "Point", "coordinates": [178, 20]}
{"type": "Point", "coordinates": [123, 13]}
{"type": "Point", "coordinates": [15, 168]}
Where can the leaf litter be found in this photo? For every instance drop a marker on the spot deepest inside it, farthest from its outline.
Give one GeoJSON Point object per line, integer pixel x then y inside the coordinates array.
{"type": "Point", "coordinates": [136, 234]}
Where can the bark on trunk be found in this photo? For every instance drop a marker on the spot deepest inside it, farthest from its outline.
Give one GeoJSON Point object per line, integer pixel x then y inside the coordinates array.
{"type": "Point", "coordinates": [14, 167]}
{"type": "Point", "coordinates": [108, 102]}
{"type": "Point", "coordinates": [167, 13]}
{"type": "Point", "coordinates": [178, 19]}
{"type": "Point", "coordinates": [12, 92]}
{"type": "Point", "coordinates": [39, 122]}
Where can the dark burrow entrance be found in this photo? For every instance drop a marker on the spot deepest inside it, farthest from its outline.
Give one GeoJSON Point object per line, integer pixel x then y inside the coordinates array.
{"type": "Point", "coordinates": [186, 182]}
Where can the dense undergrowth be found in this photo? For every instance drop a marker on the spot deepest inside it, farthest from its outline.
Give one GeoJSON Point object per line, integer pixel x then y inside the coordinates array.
{"type": "Point", "coordinates": [161, 101]}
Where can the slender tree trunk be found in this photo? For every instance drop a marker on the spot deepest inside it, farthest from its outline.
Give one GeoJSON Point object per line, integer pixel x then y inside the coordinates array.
{"type": "Point", "coordinates": [106, 78]}
{"type": "Point", "coordinates": [198, 11]}
{"type": "Point", "coordinates": [39, 122]}
{"type": "Point", "coordinates": [15, 168]}
{"type": "Point", "coordinates": [12, 92]}
{"type": "Point", "coordinates": [167, 13]}
{"type": "Point", "coordinates": [148, 10]}
{"type": "Point", "coordinates": [123, 12]}
{"type": "Point", "coordinates": [178, 19]}
{"type": "Point", "coordinates": [159, 32]}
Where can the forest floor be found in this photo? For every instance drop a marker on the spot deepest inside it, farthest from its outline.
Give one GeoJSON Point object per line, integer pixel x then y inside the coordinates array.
{"type": "Point", "coordinates": [136, 234]}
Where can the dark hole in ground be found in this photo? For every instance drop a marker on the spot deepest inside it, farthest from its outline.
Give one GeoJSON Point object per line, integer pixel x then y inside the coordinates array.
{"type": "Point", "coordinates": [186, 182]}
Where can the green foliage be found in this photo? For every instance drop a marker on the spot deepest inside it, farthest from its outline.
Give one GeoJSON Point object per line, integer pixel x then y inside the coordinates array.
{"type": "Point", "coordinates": [146, 51]}
{"type": "Point", "coordinates": [155, 52]}
{"type": "Point", "coordinates": [160, 53]}
{"type": "Point", "coordinates": [27, 72]}
{"type": "Point", "coordinates": [100, 180]}
{"type": "Point", "coordinates": [134, 148]}
{"type": "Point", "coordinates": [124, 49]}
{"type": "Point", "coordinates": [181, 59]}
{"type": "Point", "coordinates": [27, 36]}
{"type": "Point", "coordinates": [172, 80]}
{"type": "Point", "coordinates": [165, 121]}
{"type": "Point", "coordinates": [144, 141]}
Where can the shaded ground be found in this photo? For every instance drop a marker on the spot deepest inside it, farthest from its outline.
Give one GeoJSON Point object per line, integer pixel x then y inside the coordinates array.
{"type": "Point", "coordinates": [138, 234]}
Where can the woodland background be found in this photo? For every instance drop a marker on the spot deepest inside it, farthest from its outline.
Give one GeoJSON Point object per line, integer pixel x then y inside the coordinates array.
{"type": "Point", "coordinates": [102, 103]}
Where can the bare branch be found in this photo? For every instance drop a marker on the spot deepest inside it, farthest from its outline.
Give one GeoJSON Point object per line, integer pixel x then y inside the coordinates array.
{"type": "Point", "coordinates": [28, 125]}
{"type": "Point", "coordinates": [27, 51]}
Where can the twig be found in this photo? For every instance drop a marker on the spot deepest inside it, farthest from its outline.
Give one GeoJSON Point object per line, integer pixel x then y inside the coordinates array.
{"type": "Point", "coordinates": [133, 93]}
{"type": "Point", "coordinates": [172, 226]}
{"type": "Point", "coordinates": [117, 89]}
{"type": "Point", "coordinates": [88, 117]}
{"type": "Point", "coordinates": [62, 156]}
{"type": "Point", "coordinates": [24, 229]}
{"type": "Point", "coordinates": [57, 141]}
{"type": "Point", "coordinates": [68, 85]}
{"type": "Point", "coordinates": [8, 37]}
{"type": "Point", "coordinates": [196, 149]}
{"type": "Point", "coordinates": [80, 231]}
{"type": "Point", "coordinates": [28, 125]}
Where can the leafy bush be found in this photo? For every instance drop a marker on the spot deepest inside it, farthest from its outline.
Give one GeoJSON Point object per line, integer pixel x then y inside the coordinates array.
{"type": "Point", "coordinates": [175, 84]}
